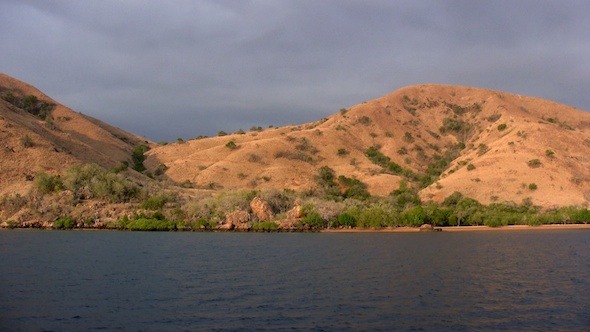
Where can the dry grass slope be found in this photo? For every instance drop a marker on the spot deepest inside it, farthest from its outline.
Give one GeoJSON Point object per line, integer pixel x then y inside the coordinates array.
{"type": "Point", "coordinates": [424, 129]}
{"type": "Point", "coordinates": [50, 143]}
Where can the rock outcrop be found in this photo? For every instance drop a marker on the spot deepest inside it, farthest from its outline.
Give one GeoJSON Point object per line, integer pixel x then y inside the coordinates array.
{"type": "Point", "coordinates": [261, 209]}
{"type": "Point", "coordinates": [237, 219]}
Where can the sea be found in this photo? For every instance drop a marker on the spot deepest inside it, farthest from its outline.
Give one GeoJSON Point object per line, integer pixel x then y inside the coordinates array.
{"type": "Point", "coordinates": [530, 280]}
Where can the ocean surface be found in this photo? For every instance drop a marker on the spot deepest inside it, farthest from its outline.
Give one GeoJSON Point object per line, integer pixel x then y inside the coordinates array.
{"type": "Point", "coordinates": [109, 280]}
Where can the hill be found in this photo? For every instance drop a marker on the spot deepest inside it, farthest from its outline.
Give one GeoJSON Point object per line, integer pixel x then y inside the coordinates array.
{"type": "Point", "coordinates": [38, 134]}
{"type": "Point", "coordinates": [489, 145]}
{"type": "Point", "coordinates": [479, 156]}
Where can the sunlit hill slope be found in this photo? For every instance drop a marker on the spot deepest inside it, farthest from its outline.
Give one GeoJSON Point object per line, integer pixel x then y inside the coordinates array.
{"type": "Point", "coordinates": [489, 145]}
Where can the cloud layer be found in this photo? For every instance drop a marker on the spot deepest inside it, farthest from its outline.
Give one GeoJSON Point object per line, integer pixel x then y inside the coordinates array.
{"type": "Point", "coordinates": [168, 69]}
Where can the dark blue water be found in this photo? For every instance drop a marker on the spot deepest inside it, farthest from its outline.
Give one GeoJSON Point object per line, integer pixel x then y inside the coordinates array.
{"type": "Point", "coordinates": [94, 280]}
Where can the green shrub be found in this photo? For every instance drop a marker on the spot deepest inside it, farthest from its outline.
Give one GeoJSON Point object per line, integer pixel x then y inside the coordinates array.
{"type": "Point", "coordinates": [482, 149]}
{"type": "Point", "coordinates": [266, 226]}
{"type": "Point", "coordinates": [345, 220]}
{"type": "Point", "coordinates": [30, 104]}
{"type": "Point", "coordinates": [405, 196]}
{"type": "Point", "coordinates": [231, 145]}
{"type": "Point", "coordinates": [365, 120]}
{"type": "Point", "coordinates": [156, 202]}
{"type": "Point", "coordinates": [26, 142]}
{"type": "Point", "coordinates": [221, 133]}
{"type": "Point", "coordinates": [92, 181]}
{"type": "Point", "coordinates": [64, 223]}
{"type": "Point", "coordinates": [138, 157]}
{"type": "Point", "coordinates": [377, 157]}
{"type": "Point", "coordinates": [47, 184]}
{"type": "Point", "coordinates": [549, 153]}
{"type": "Point", "coordinates": [534, 163]}
{"type": "Point", "coordinates": [453, 125]}
{"type": "Point", "coordinates": [254, 158]}
{"type": "Point", "coordinates": [311, 216]}
{"type": "Point", "coordinates": [294, 156]}
{"type": "Point", "coordinates": [408, 137]}
{"type": "Point", "coordinates": [342, 152]}
{"type": "Point", "coordinates": [149, 224]}
{"type": "Point", "coordinates": [497, 219]}
{"type": "Point", "coordinates": [374, 216]}
{"type": "Point", "coordinates": [470, 167]}
{"type": "Point", "coordinates": [533, 186]}
{"type": "Point", "coordinates": [353, 188]}
{"type": "Point", "coordinates": [414, 216]}
{"type": "Point", "coordinates": [502, 126]}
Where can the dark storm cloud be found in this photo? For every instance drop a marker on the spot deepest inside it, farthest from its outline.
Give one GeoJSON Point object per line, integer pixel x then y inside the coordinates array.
{"type": "Point", "coordinates": [186, 68]}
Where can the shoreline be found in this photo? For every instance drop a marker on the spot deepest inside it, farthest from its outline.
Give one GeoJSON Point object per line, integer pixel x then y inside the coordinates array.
{"type": "Point", "coordinates": [452, 229]}
{"type": "Point", "coordinates": [402, 229]}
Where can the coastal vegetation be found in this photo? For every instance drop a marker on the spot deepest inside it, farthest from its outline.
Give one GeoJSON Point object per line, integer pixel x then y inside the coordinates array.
{"type": "Point", "coordinates": [336, 202]}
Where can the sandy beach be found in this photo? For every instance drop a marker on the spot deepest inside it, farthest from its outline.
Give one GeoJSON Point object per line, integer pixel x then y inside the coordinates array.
{"type": "Point", "coordinates": [462, 228]}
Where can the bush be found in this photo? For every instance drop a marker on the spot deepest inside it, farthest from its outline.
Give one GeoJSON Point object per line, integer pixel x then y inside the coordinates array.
{"type": "Point", "coordinates": [377, 157]}
{"type": "Point", "coordinates": [408, 137]}
{"type": "Point", "coordinates": [353, 188]}
{"type": "Point", "coordinates": [279, 201]}
{"type": "Point", "coordinates": [549, 153]}
{"type": "Point", "coordinates": [533, 186]}
{"type": "Point", "coordinates": [47, 184]}
{"type": "Point", "coordinates": [311, 217]}
{"type": "Point", "coordinates": [414, 216]}
{"type": "Point", "coordinates": [26, 142]}
{"type": "Point", "coordinates": [266, 226]}
{"type": "Point", "coordinates": [470, 167]}
{"type": "Point", "coordinates": [30, 104]}
{"type": "Point", "coordinates": [138, 157]}
{"type": "Point", "coordinates": [231, 145]}
{"type": "Point", "coordinates": [342, 152]}
{"type": "Point", "coordinates": [64, 223]}
{"type": "Point", "coordinates": [502, 127]}
{"type": "Point", "coordinates": [92, 181]}
{"type": "Point", "coordinates": [482, 149]}
{"type": "Point", "coordinates": [148, 224]}
{"type": "Point", "coordinates": [374, 216]}
{"type": "Point", "coordinates": [405, 197]}
{"type": "Point", "coordinates": [294, 156]}
{"type": "Point", "coordinates": [345, 220]}
{"type": "Point", "coordinates": [534, 163]}
{"type": "Point", "coordinates": [254, 158]}
{"type": "Point", "coordinates": [453, 125]}
{"type": "Point", "coordinates": [365, 120]}
{"type": "Point", "coordinates": [156, 202]}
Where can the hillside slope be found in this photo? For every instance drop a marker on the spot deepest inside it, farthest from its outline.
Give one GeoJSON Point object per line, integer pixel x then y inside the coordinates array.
{"type": "Point", "coordinates": [37, 134]}
{"type": "Point", "coordinates": [489, 145]}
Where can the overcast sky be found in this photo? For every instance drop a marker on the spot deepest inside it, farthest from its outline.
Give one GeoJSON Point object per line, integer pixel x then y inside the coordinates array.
{"type": "Point", "coordinates": [170, 69]}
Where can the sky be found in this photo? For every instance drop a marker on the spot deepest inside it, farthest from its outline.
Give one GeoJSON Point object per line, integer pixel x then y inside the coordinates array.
{"type": "Point", "coordinates": [180, 69]}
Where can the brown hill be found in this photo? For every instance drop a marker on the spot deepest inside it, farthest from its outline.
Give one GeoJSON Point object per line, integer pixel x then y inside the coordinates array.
{"type": "Point", "coordinates": [37, 134]}
{"type": "Point", "coordinates": [489, 145]}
